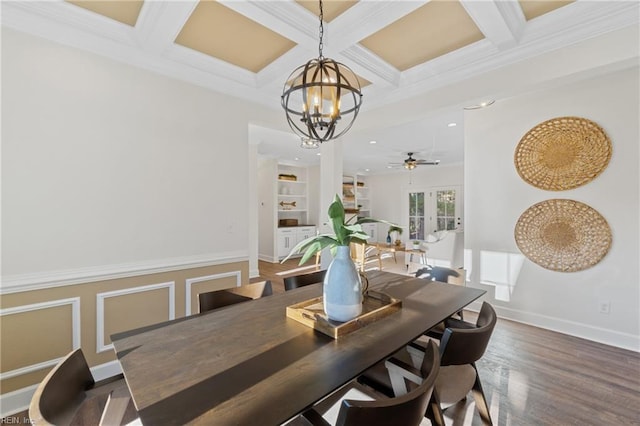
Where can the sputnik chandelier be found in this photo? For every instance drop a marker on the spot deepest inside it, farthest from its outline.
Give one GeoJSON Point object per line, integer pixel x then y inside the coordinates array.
{"type": "Point", "coordinates": [321, 98]}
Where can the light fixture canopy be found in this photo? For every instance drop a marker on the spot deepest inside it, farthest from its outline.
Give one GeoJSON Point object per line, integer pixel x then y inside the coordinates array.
{"type": "Point", "coordinates": [321, 98]}
{"type": "Point", "coordinates": [308, 143]}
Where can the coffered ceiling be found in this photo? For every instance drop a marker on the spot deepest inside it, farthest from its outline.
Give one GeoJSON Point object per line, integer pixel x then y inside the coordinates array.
{"type": "Point", "coordinates": [399, 49]}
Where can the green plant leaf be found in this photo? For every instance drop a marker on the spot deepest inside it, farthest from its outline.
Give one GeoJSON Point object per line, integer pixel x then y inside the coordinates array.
{"type": "Point", "coordinates": [306, 245]}
{"type": "Point", "coordinates": [336, 214]}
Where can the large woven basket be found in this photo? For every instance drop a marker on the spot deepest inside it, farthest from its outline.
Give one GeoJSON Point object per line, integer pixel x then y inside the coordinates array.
{"type": "Point", "coordinates": [562, 153]}
{"type": "Point", "coordinates": [563, 235]}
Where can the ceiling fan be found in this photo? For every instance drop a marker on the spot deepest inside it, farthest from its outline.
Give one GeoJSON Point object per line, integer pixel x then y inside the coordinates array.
{"type": "Point", "coordinates": [411, 163]}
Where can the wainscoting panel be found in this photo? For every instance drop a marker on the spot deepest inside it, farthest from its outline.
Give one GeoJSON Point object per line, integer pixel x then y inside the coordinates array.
{"type": "Point", "coordinates": [131, 308]}
{"type": "Point", "coordinates": [51, 329]}
{"type": "Point", "coordinates": [41, 325]}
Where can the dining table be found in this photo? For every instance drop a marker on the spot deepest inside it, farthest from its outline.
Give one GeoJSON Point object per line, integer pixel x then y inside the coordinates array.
{"type": "Point", "coordinates": [250, 363]}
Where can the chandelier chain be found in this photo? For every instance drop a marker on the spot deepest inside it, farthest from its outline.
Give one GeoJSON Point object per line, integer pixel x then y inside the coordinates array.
{"type": "Point", "coordinates": [321, 31]}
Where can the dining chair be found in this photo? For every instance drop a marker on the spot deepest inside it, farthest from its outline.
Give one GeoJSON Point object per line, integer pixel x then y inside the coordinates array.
{"type": "Point", "coordinates": [361, 253]}
{"type": "Point", "coordinates": [355, 405]}
{"type": "Point", "coordinates": [460, 348]}
{"type": "Point", "coordinates": [462, 344]}
{"type": "Point", "coordinates": [219, 298]}
{"type": "Point", "coordinates": [296, 281]}
{"type": "Point", "coordinates": [70, 395]}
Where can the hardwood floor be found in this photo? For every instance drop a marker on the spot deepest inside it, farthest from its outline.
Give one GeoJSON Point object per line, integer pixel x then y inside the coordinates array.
{"type": "Point", "coordinates": [533, 376]}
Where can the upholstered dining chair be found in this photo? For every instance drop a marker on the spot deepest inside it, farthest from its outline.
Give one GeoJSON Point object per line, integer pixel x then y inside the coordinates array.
{"type": "Point", "coordinates": [219, 298]}
{"type": "Point", "coordinates": [70, 395]}
{"type": "Point", "coordinates": [460, 347]}
{"type": "Point", "coordinates": [358, 406]}
{"type": "Point", "coordinates": [296, 281]}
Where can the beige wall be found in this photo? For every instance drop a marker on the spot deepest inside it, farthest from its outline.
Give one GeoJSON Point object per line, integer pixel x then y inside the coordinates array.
{"type": "Point", "coordinates": [34, 332]}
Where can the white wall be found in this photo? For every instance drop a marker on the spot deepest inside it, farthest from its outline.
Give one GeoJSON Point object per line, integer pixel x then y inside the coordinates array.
{"type": "Point", "coordinates": [267, 220]}
{"type": "Point", "coordinates": [388, 191]}
{"type": "Point", "coordinates": [104, 163]}
{"type": "Point", "coordinates": [495, 197]}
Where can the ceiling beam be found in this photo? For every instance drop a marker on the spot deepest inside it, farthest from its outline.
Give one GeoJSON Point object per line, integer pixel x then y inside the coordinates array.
{"type": "Point", "coordinates": [160, 23]}
{"type": "Point", "coordinates": [501, 22]}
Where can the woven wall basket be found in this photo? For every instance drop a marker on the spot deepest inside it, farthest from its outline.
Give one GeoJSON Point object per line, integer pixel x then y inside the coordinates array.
{"type": "Point", "coordinates": [563, 235]}
{"type": "Point", "coordinates": [562, 153]}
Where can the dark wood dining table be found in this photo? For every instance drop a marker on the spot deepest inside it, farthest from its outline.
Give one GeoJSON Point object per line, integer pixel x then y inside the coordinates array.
{"type": "Point", "coordinates": [250, 364]}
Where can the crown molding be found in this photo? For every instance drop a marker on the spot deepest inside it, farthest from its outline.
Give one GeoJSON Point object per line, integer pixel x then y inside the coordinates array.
{"type": "Point", "coordinates": [371, 67]}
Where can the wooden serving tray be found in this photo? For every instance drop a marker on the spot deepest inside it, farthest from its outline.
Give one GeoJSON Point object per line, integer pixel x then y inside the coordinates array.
{"type": "Point", "coordinates": [375, 306]}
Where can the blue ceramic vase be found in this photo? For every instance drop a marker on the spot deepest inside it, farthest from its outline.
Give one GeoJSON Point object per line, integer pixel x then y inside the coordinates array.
{"type": "Point", "coordinates": [342, 292]}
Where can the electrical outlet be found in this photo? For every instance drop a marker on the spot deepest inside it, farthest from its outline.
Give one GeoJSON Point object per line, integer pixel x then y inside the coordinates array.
{"type": "Point", "coordinates": [605, 307]}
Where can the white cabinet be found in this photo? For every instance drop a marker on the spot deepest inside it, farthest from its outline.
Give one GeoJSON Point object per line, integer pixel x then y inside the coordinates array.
{"type": "Point", "coordinates": [289, 237]}
{"type": "Point", "coordinates": [286, 241]}
{"type": "Point", "coordinates": [304, 232]}
{"type": "Point", "coordinates": [371, 229]}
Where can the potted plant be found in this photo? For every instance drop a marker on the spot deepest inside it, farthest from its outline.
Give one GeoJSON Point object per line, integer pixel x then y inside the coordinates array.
{"type": "Point", "coordinates": [416, 245]}
{"type": "Point", "coordinates": [398, 232]}
{"type": "Point", "coordinates": [342, 290]}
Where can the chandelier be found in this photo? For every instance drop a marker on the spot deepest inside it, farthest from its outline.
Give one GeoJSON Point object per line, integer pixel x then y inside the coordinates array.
{"type": "Point", "coordinates": [321, 98]}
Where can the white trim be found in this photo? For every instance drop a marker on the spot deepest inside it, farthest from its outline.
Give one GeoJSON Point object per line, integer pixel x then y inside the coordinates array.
{"type": "Point", "coordinates": [191, 281]}
{"type": "Point", "coordinates": [100, 297]}
{"type": "Point", "coordinates": [106, 370]}
{"type": "Point", "coordinates": [37, 281]}
{"type": "Point", "coordinates": [16, 401]}
{"type": "Point", "coordinates": [254, 273]}
{"type": "Point", "coordinates": [19, 400]}
{"type": "Point", "coordinates": [75, 331]}
{"type": "Point", "coordinates": [596, 334]}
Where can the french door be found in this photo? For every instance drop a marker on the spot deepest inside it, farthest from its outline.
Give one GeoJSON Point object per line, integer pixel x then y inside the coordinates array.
{"type": "Point", "coordinates": [433, 209]}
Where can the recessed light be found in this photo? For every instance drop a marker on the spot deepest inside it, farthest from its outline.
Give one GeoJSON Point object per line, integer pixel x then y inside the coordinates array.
{"type": "Point", "coordinates": [366, 170]}
{"type": "Point", "coordinates": [482, 104]}
{"type": "Point", "coordinates": [452, 124]}
{"type": "Point", "coordinates": [318, 153]}
{"type": "Point", "coordinates": [389, 167]}
{"type": "Point", "coordinates": [297, 159]}
{"type": "Point", "coordinates": [373, 142]}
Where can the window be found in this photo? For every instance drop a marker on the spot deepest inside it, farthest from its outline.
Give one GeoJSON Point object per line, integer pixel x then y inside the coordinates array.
{"type": "Point", "coordinates": [445, 210]}
{"type": "Point", "coordinates": [416, 216]}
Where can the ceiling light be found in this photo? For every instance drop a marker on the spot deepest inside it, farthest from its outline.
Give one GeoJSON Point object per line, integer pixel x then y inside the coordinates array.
{"type": "Point", "coordinates": [482, 104]}
{"type": "Point", "coordinates": [373, 142]}
{"type": "Point", "coordinates": [309, 143]}
{"type": "Point", "coordinates": [318, 154]}
{"type": "Point", "coordinates": [410, 165]}
{"type": "Point", "coordinates": [321, 98]}
{"type": "Point", "coordinates": [366, 170]}
{"type": "Point", "coordinates": [452, 124]}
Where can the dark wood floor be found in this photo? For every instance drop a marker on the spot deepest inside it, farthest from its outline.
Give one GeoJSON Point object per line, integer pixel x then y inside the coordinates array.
{"type": "Point", "coordinates": [533, 376]}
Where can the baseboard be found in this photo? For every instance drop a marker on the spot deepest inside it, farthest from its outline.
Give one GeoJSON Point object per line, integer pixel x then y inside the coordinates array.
{"type": "Point", "coordinates": [19, 400]}
{"type": "Point", "coordinates": [596, 334]}
{"type": "Point", "coordinates": [269, 259]}
{"type": "Point", "coordinates": [254, 273]}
